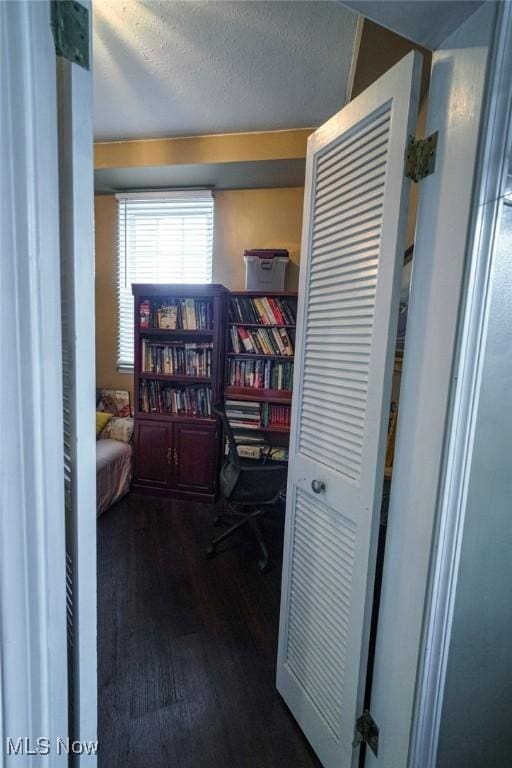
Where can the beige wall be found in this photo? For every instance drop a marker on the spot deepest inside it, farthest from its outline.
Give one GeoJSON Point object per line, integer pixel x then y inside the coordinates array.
{"type": "Point", "coordinates": [379, 50]}
{"type": "Point", "coordinates": [255, 218]}
{"type": "Point", "coordinates": [245, 218]}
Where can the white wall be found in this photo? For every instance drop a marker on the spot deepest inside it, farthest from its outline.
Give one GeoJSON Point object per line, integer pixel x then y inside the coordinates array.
{"type": "Point", "coordinates": [475, 722]}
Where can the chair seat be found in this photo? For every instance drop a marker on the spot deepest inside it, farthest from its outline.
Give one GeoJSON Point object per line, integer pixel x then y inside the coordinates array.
{"type": "Point", "coordinates": [253, 483]}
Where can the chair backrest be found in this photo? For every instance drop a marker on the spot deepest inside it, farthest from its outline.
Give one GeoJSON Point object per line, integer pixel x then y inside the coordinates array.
{"type": "Point", "coordinates": [233, 451]}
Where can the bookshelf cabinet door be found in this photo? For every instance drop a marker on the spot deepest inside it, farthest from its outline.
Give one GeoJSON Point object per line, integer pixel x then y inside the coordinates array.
{"type": "Point", "coordinates": [195, 447]}
{"type": "Point", "coordinates": [153, 454]}
{"type": "Point", "coordinates": [355, 212]}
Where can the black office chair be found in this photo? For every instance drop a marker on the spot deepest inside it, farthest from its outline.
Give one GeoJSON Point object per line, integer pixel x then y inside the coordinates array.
{"type": "Point", "coordinates": [249, 488]}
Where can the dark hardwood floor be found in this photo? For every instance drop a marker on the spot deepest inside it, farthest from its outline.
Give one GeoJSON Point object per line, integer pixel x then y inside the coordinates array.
{"type": "Point", "coordinates": [187, 646]}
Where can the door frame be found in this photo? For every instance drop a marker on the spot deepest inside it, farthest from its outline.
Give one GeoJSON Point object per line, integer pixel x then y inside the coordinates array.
{"type": "Point", "coordinates": [33, 693]}
{"type": "Point", "coordinates": [460, 74]}
{"type": "Point", "coordinates": [486, 217]}
{"type": "Point", "coordinates": [76, 169]}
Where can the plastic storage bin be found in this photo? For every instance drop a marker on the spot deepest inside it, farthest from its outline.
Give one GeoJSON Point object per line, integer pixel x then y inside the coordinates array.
{"type": "Point", "coordinates": [265, 269]}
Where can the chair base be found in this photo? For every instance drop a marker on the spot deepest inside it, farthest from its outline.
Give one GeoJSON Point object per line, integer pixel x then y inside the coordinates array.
{"type": "Point", "coordinates": [245, 518]}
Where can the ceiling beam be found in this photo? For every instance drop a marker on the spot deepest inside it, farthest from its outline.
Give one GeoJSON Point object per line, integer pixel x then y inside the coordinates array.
{"type": "Point", "coordinates": [219, 148]}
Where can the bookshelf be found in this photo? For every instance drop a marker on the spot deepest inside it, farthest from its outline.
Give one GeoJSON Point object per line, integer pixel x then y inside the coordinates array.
{"type": "Point", "coordinates": [260, 346]}
{"type": "Point", "coordinates": [179, 337]}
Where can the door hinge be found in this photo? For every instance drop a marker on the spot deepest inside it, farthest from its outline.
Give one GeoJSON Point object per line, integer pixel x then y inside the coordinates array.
{"type": "Point", "coordinates": [70, 27]}
{"type": "Point", "coordinates": [367, 731]}
{"type": "Point", "coordinates": [420, 157]}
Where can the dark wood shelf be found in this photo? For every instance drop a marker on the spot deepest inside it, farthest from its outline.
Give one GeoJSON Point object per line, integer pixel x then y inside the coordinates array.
{"type": "Point", "coordinates": [165, 416]}
{"type": "Point", "coordinates": [245, 355]}
{"type": "Point", "coordinates": [178, 454]}
{"type": "Point", "coordinates": [261, 325]}
{"type": "Point", "coordinates": [274, 430]}
{"type": "Point", "coordinates": [275, 435]}
{"type": "Point", "coordinates": [176, 378]}
{"type": "Point", "coordinates": [272, 294]}
{"type": "Point", "coordinates": [279, 396]}
{"type": "Point", "coordinates": [176, 332]}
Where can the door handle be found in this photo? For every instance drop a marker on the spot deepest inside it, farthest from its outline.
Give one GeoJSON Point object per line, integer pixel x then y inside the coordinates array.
{"type": "Point", "coordinates": [175, 456]}
{"type": "Point", "coordinates": [318, 486]}
{"type": "Point", "coordinates": [169, 455]}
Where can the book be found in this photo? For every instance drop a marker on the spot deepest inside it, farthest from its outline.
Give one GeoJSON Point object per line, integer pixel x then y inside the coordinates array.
{"type": "Point", "coordinates": [144, 314]}
{"type": "Point", "coordinates": [190, 314]}
{"type": "Point", "coordinates": [287, 344]}
{"type": "Point", "coordinates": [167, 317]}
{"type": "Point", "coordinates": [246, 339]}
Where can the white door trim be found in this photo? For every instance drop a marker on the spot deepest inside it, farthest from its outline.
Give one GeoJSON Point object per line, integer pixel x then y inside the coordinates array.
{"type": "Point", "coordinates": [489, 190]}
{"type": "Point", "coordinates": [78, 308]}
{"type": "Point", "coordinates": [32, 565]}
{"type": "Point", "coordinates": [444, 215]}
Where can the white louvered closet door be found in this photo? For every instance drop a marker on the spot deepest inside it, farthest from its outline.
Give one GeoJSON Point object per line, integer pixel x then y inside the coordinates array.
{"type": "Point", "coordinates": [355, 214]}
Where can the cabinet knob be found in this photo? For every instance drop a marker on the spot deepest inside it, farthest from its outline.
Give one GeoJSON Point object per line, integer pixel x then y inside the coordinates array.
{"type": "Point", "coordinates": [318, 486]}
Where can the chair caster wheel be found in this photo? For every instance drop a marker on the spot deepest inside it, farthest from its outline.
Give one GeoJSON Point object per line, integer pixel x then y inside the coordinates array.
{"type": "Point", "coordinates": [217, 520]}
{"type": "Point", "coordinates": [211, 551]}
{"type": "Point", "coordinates": [264, 566]}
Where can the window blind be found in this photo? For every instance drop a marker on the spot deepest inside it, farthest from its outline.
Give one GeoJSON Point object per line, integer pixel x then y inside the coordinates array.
{"type": "Point", "coordinates": [164, 237]}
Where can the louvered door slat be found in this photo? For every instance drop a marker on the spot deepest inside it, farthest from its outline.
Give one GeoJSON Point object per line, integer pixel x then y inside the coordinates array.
{"type": "Point", "coordinates": [351, 149]}
{"type": "Point", "coordinates": [364, 184]}
{"type": "Point", "coordinates": [351, 256]}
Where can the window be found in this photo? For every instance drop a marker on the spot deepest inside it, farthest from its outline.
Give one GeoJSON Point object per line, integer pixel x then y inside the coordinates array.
{"type": "Point", "coordinates": [164, 237]}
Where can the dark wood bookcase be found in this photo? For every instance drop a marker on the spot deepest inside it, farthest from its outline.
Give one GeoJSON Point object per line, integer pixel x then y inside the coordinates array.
{"type": "Point", "coordinates": [274, 434]}
{"type": "Point", "coordinates": [177, 437]}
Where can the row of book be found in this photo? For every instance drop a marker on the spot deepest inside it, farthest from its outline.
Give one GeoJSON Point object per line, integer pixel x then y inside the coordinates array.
{"type": "Point", "coordinates": [254, 415]}
{"type": "Point", "coordinates": [260, 374]}
{"type": "Point", "coordinates": [275, 415]}
{"type": "Point", "coordinates": [177, 359]}
{"type": "Point", "coordinates": [266, 310]}
{"type": "Point", "coordinates": [187, 401]}
{"type": "Point", "coordinates": [261, 341]}
{"type": "Point", "coordinates": [185, 314]}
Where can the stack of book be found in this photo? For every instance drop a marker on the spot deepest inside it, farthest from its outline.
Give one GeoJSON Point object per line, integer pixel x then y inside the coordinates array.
{"type": "Point", "coordinates": [266, 310]}
{"type": "Point", "coordinates": [176, 358]}
{"type": "Point", "coordinates": [244, 415]}
{"type": "Point", "coordinates": [261, 341]}
{"type": "Point", "coordinates": [174, 314]}
{"type": "Point", "coordinates": [260, 374]}
{"type": "Point", "coordinates": [187, 401]}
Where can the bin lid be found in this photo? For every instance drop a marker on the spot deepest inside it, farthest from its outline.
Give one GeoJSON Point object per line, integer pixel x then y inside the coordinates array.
{"type": "Point", "coordinates": [280, 254]}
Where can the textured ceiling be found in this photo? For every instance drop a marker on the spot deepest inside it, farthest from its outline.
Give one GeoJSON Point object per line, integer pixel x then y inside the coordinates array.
{"type": "Point", "coordinates": [427, 22]}
{"type": "Point", "coordinates": [178, 68]}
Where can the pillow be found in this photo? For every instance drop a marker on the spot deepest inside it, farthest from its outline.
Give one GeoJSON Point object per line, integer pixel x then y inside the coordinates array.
{"type": "Point", "coordinates": [118, 428]}
{"type": "Point", "coordinates": [102, 420]}
{"type": "Point", "coordinates": [114, 401]}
